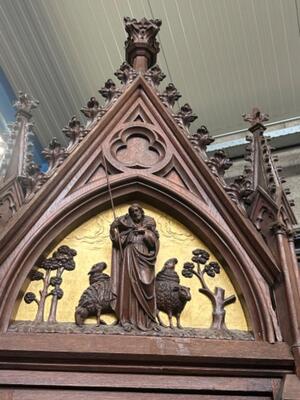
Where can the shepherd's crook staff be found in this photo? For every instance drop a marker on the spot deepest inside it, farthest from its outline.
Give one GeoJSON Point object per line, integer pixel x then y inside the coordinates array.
{"type": "Point", "coordinates": [112, 203]}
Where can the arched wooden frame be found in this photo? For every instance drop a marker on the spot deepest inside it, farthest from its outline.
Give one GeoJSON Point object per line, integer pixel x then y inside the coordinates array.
{"type": "Point", "coordinates": [90, 200]}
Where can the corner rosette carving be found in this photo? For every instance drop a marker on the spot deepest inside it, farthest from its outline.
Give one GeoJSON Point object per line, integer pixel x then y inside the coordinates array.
{"type": "Point", "coordinates": [170, 95]}
{"type": "Point", "coordinates": [199, 267]}
{"type": "Point", "coordinates": [185, 116]}
{"type": "Point", "coordinates": [200, 140]}
{"type": "Point", "coordinates": [126, 74]}
{"type": "Point", "coordinates": [154, 75]}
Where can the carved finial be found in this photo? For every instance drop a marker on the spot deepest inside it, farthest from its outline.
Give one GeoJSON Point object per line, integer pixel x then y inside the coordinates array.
{"type": "Point", "coordinates": [185, 116]}
{"type": "Point", "coordinates": [55, 154]}
{"type": "Point", "coordinates": [75, 132]}
{"type": "Point", "coordinates": [239, 192]}
{"type": "Point", "coordinates": [92, 108]}
{"type": "Point", "coordinates": [200, 140]}
{"type": "Point", "coordinates": [25, 103]}
{"type": "Point", "coordinates": [170, 95]}
{"type": "Point", "coordinates": [155, 75]}
{"type": "Point", "coordinates": [218, 164]}
{"type": "Point", "coordinates": [126, 74]}
{"type": "Point", "coordinates": [256, 117]}
{"type": "Point", "coordinates": [141, 45]}
{"type": "Point", "coordinates": [110, 91]}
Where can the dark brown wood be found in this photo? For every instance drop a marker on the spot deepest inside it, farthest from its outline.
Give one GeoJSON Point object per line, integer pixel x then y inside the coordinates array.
{"type": "Point", "coordinates": [248, 226]}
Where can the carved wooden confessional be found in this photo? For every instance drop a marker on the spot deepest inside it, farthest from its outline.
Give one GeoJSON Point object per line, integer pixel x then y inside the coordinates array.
{"type": "Point", "coordinates": [131, 267]}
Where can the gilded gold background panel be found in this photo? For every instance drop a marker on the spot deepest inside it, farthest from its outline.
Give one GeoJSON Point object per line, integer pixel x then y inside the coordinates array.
{"type": "Point", "coordinates": [92, 243]}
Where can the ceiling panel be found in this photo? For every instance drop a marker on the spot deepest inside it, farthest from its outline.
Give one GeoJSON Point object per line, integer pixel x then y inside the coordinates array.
{"type": "Point", "coordinates": [224, 56]}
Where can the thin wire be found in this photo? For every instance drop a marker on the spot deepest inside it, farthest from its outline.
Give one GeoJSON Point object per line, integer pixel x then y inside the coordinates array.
{"type": "Point", "coordinates": [162, 49]}
{"type": "Point", "coordinates": [297, 16]}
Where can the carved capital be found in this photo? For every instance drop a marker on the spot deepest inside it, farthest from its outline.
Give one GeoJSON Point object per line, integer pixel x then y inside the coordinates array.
{"type": "Point", "coordinates": [141, 46]}
{"type": "Point", "coordinates": [170, 95]}
{"type": "Point", "coordinates": [155, 75]}
{"type": "Point", "coordinates": [126, 74]}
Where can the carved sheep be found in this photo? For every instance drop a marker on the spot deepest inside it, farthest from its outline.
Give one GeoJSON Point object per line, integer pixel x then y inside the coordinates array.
{"type": "Point", "coordinates": [171, 297]}
{"type": "Point", "coordinates": [96, 299]}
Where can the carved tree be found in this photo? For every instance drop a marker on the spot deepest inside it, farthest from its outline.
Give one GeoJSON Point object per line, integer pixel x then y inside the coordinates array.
{"type": "Point", "coordinates": [61, 260]}
{"type": "Point", "coordinates": [217, 298]}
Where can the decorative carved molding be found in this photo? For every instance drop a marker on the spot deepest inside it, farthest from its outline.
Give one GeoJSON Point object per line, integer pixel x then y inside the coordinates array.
{"type": "Point", "coordinates": [266, 184]}
{"type": "Point", "coordinates": [239, 192]}
{"type": "Point", "coordinates": [25, 104]}
{"type": "Point", "coordinates": [255, 117]}
{"type": "Point", "coordinates": [185, 116]}
{"type": "Point", "coordinates": [217, 298]}
{"type": "Point", "coordinates": [110, 92]}
{"type": "Point", "coordinates": [200, 140]}
{"type": "Point", "coordinates": [55, 154]}
{"type": "Point", "coordinates": [126, 74]}
{"type": "Point", "coordinates": [170, 95]}
{"type": "Point", "coordinates": [218, 164]}
{"type": "Point", "coordinates": [92, 109]}
{"type": "Point", "coordinates": [141, 47]}
{"type": "Point", "coordinates": [154, 75]}
{"type": "Point", "coordinates": [138, 147]}
{"type": "Point", "coordinates": [75, 132]}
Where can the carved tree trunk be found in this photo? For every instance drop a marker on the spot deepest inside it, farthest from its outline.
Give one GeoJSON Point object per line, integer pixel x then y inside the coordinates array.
{"type": "Point", "coordinates": [219, 303]}
{"type": "Point", "coordinates": [43, 295]}
{"type": "Point", "coordinates": [54, 301]}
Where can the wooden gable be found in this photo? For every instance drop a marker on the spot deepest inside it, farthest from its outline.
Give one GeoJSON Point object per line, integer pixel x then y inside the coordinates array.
{"type": "Point", "coordinates": [136, 148]}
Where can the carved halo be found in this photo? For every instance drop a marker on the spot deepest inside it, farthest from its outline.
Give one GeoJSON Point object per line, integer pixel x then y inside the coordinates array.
{"type": "Point", "coordinates": [138, 147]}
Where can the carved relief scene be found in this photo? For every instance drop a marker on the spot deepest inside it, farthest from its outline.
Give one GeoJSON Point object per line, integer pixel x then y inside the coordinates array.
{"type": "Point", "coordinates": [140, 272]}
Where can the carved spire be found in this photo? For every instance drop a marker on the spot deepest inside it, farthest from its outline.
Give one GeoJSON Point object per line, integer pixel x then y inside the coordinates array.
{"type": "Point", "coordinates": [268, 200]}
{"type": "Point", "coordinates": [141, 46]}
{"type": "Point", "coordinates": [262, 171]}
{"type": "Point", "coordinates": [21, 131]}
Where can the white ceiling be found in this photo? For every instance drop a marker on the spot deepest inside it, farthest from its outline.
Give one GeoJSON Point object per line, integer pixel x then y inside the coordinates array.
{"type": "Point", "coordinates": [224, 56]}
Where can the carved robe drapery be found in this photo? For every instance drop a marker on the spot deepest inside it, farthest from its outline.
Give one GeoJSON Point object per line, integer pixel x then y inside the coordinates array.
{"type": "Point", "coordinates": [133, 271]}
